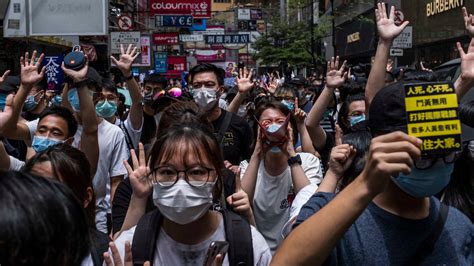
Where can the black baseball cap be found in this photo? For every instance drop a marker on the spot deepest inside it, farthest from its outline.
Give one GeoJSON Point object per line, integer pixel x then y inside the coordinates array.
{"type": "Point", "coordinates": [11, 83]}
{"type": "Point", "coordinates": [298, 81]}
{"type": "Point", "coordinates": [387, 111]}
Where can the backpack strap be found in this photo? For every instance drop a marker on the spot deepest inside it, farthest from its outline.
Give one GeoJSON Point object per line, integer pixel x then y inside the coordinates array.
{"type": "Point", "coordinates": [145, 236]}
{"type": "Point", "coordinates": [426, 247]}
{"type": "Point", "coordinates": [223, 128]}
{"type": "Point", "coordinates": [238, 234]}
{"type": "Point", "coordinates": [128, 139]}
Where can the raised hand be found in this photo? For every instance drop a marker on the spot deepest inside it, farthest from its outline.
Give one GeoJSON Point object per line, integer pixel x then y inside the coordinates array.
{"type": "Point", "coordinates": [338, 135]}
{"type": "Point", "coordinates": [116, 260]}
{"type": "Point", "coordinates": [139, 175]}
{"type": "Point", "coordinates": [299, 114]}
{"type": "Point", "coordinates": [7, 111]}
{"type": "Point", "coordinates": [386, 28]}
{"type": "Point", "coordinates": [126, 59]}
{"type": "Point", "coordinates": [341, 158]}
{"type": "Point", "coordinates": [4, 76]}
{"type": "Point", "coordinates": [389, 155]}
{"type": "Point", "coordinates": [468, 22]}
{"type": "Point", "coordinates": [335, 76]}
{"type": "Point", "coordinates": [30, 69]}
{"type": "Point", "coordinates": [76, 75]}
{"type": "Point", "coordinates": [240, 200]}
{"type": "Point", "coordinates": [244, 80]}
{"type": "Point", "coordinates": [467, 61]}
{"type": "Point", "coordinates": [288, 147]}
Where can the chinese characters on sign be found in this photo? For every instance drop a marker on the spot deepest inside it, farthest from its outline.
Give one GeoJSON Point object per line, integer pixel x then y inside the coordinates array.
{"type": "Point", "coordinates": [432, 116]}
{"type": "Point", "coordinates": [53, 72]}
{"type": "Point", "coordinates": [227, 39]}
{"type": "Point", "coordinates": [125, 38]}
{"type": "Point", "coordinates": [169, 38]}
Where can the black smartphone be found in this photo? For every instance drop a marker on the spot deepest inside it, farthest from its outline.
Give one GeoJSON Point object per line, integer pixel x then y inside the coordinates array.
{"type": "Point", "coordinates": [215, 248]}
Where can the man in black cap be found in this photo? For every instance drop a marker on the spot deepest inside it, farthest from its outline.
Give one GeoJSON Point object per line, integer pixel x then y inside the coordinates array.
{"type": "Point", "coordinates": [304, 96]}
{"type": "Point", "coordinates": [387, 215]}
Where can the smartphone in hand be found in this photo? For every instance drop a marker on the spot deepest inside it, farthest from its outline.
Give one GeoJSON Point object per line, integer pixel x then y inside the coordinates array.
{"type": "Point", "coordinates": [215, 248]}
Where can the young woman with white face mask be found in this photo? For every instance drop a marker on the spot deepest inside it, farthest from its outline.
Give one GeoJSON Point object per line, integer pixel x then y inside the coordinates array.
{"type": "Point", "coordinates": [185, 175]}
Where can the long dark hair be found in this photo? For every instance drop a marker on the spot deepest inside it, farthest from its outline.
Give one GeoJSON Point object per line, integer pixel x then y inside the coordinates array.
{"type": "Point", "coordinates": [42, 222]}
{"type": "Point", "coordinates": [70, 167]}
{"type": "Point", "coordinates": [459, 193]}
{"type": "Point", "coordinates": [199, 141]}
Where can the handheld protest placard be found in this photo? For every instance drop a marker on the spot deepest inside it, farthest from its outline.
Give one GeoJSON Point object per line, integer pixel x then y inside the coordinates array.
{"type": "Point", "coordinates": [432, 116]}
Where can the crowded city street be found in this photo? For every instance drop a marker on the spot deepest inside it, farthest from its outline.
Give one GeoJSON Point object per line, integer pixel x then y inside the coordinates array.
{"type": "Point", "coordinates": [236, 132]}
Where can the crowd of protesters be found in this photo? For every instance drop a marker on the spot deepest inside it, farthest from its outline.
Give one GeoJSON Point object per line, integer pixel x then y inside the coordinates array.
{"type": "Point", "coordinates": [270, 170]}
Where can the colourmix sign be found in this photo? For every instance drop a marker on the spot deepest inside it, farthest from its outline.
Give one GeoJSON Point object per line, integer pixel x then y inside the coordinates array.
{"type": "Point", "coordinates": [196, 8]}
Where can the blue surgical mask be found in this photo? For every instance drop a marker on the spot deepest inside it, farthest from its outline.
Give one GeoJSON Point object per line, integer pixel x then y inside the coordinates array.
{"type": "Point", "coordinates": [428, 182]}
{"type": "Point", "coordinates": [273, 128]}
{"type": "Point", "coordinates": [3, 100]}
{"type": "Point", "coordinates": [356, 119]}
{"type": "Point", "coordinates": [106, 109]}
{"type": "Point", "coordinates": [30, 103]}
{"type": "Point", "coordinates": [40, 144]}
{"type": "Point", "coordinates": [56, 100]}
{"type": "Point", "coordinates": [73, 99]}
{"type": "Point", "coordinates": [289, 104]}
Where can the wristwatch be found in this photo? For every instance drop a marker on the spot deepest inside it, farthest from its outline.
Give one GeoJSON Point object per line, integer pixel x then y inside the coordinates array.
{"type": "Point", "coordinates": [294, 159]}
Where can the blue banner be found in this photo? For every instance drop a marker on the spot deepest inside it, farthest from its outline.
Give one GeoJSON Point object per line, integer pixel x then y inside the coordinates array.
{"type": "Point", "coordinates": [177, 21]}
{"type": "Point", "coordinates": [160, 62]}
{"type": "Point", "coordinates": [54, 74]}
{"type": "Point", "coordinates": [199, 25]}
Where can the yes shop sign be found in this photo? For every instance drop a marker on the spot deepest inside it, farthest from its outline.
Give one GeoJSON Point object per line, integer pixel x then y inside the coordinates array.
{"type": "Point", "coordinates": [196, 8]}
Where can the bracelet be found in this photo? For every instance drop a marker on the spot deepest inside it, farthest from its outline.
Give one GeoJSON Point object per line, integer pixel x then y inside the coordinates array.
{"type": "Point", "coordinates": [295, 160]}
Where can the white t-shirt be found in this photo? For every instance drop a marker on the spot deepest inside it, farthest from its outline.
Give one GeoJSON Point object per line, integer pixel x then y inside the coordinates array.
{"type": "Point", "coordinates": [270, 202]}
{"type": "Point", "coordinates": [15, 164]}
{"type": "Point", "coordinates": [112, 152]}
{"type": "Point", "coordinates": [134, 134]}
{"type": "Point", "coordinates": [298, 202]}
{"type": "Point", "coordinates": [170, 252]}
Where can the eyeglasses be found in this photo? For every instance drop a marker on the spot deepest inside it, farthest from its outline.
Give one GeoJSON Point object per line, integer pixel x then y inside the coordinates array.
{"type": "Point", "coordinates": [288, 98]}
{"type": "Point", "coordinates": [196, 176]}
{"type": "Point", "coordinates": [428, 162]}
{"type": "Point", "coordinates": [173, 92]}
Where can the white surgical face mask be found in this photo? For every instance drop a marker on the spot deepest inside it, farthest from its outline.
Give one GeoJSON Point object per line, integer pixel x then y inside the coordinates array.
{"type": "Point", "coordinates": [182, 203]}
{"type": "Point", "coordinates": [205, 97]}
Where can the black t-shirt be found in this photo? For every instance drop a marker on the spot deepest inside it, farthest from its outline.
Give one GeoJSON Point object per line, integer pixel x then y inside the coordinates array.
{"type": "Point", "coordinates": [237, 139]}
{"type": "Point", "coordinates": [149, 129]}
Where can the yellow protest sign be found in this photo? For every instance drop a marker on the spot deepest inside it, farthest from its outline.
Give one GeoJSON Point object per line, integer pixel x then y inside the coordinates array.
{"type": "Point", "coordinates": [432, 116]}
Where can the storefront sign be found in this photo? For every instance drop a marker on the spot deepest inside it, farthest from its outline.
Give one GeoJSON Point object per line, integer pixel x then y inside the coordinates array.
{"type": "Point", "coordinates": [354, 37]}
{"type": "Point", "coordinates": [144, 58]}
{"type": "Point", "coordinates": [243, 14]}
{"type": "Point", "coordinates": [160, 62]}
{"type": "Point", "coordinates": [256, 14]}
{"type": "Point", "coordinates": [432, 116]}
{"type": "Point", "coordinates": [169, 38]}
{"type": "Point", "coordinates": [124, 38]}
{"type": "Point", "coordinates": [53, 72]}
{"type": "Point", "coordinates": [396, 52]}
{"type": "Point", "coordinates": [191, 37]}
{"type": "Point", "coordinates": [440, 6]}
{"type": "Point", "coordinates": [196, 8]}
{"type": "Point", "coordinates": [210, 55]}
{"type": "Point", "coordinates": [227, 39]}
{"type": "Point", "coordinates": [405, 39]}
{"type": "Point", "coordinates": [67, 17]}
{"type": "Point", "coordinates": [176, 65]}
{"type": "Point", "coordinates": [174, 21]}
{"type": "Point", "coordinates": [199, 25]}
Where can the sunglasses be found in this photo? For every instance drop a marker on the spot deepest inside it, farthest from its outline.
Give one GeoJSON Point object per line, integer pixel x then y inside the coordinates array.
{"type": "Point", "coordinates": [174, 92]}
{"type": "Point", "coordinates": [428, 162]}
